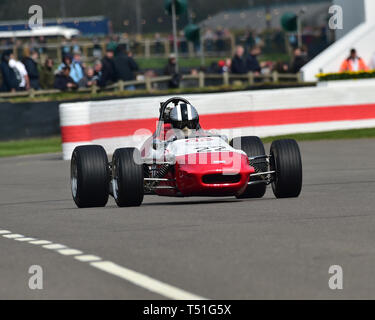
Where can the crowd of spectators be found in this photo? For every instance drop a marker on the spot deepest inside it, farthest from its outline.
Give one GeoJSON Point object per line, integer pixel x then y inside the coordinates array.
{"type": "Point", "coordinates": [247, 60]}
{"type": "Point", "coordinates": [71, 73]}
{"type": "Point", "coordinates": [35, 70]}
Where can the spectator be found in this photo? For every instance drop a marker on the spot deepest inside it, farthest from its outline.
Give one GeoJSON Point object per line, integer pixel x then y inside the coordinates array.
{"type": "Point", "coordinates": [66, 62]}
{"type": "Point", "coordinates": [8, 75]}
{"type": "Point", "coordinates": [75, 46]}
{"type": "Point", "coordinates": [63, 81]}
{"type": "Point", "coordinates": [158, 44]}
{"type": "Point", "coordinates": [220, 44]}
{"type": "Point", "coordinates": [108, 68]}
{"type": "Point", "coordinates": [42, 45]}
{"type": "Point", "coordinates": [353, 63]}
{"type": "Point", "coordinates": [20, 72]}
{"type": "Point", "coordinates": [98, 69]}
{"type": "Point", "coordinates": [249, 40]}
{"type": "Point", "coordinates": [31, 65]}
{"type": "Point", "coordinates": [76, 70]}
{"type": "Point", "coordinates": [221, 66]}
{"type": "Point", "coordinates": [282, 67]}
{"type": "Point", "coordinates": [238, 65]}
{"type": "Point", "coordinates": [89, 79]}
{"type": "Point", "coordinates": [252, 63]}
{"type": "Point", "coordinates": [171, 70]}
{"type": "Point", "coordinates": [97, 49]}
{"type": "Point", "coordinates": [77, 67]}
{"type": "Point", "coordinates": [372, 63]}
{"type": "Point", "coordinates": [299, 60]}
{"type": "Point", "coordinates": [125, 66]}
{"type": "Point", "coordinates": [47, 76]}
{"type": "Point", "coordinates": [209, 38]}
{"type": "Point", "coordinates": [65, 48]}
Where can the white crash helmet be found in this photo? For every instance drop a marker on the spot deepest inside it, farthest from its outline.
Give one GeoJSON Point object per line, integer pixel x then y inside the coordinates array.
{"type": "Point", "coordinates": [184, 117]}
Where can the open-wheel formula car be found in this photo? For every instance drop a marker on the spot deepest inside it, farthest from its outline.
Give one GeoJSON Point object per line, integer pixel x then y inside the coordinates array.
{"type": "Point", "coordinates": [181, 159]}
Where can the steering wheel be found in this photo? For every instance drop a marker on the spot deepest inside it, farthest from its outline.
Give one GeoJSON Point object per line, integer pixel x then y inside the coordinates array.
{"type": "Point", "coordinates": [163, 107]}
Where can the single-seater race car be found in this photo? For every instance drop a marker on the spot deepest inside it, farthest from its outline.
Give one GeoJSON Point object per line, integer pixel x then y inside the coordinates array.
{"type": "Point", "coordinates": [181, 159]}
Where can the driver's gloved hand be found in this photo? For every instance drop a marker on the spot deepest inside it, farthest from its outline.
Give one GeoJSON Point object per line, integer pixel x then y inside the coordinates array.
{"type": "Point", "coordinates": [157, 144]}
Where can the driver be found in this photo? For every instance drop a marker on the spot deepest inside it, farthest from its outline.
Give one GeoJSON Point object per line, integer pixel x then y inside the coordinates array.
{"type": "Point", "coordinates": [184, 119]}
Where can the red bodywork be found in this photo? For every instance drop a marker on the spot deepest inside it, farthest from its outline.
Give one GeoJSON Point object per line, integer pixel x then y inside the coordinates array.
{"type": "Point", "coordinates": [229, 177]}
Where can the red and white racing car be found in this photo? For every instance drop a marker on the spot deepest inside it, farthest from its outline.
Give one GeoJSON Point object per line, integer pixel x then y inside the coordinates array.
{"type": "Point", "coordinates": [171, 164]}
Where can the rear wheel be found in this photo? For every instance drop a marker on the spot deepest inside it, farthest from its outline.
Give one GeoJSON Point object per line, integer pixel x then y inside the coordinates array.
{"type": "Point", "coordinates": [128, 177]}
{"type": "Point", "coordinates": [90, 176]}
{"type": "Point", "coordinates": [285, 159]}
{"type": "Point", "coordinates": [253, 147]}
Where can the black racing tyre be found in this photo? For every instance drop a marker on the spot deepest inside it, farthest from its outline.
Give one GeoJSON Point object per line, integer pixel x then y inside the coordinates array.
{"type": "Point", "coordinates": [253, 147]}
{"type": "Point", "coordinates": [127, 177]}
{"type": "Point", "coordinates": [285, 159]}
{"type": "Point", "coordinates": [90, 176]}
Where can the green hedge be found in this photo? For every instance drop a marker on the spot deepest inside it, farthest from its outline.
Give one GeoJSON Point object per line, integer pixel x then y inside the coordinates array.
{"type": "Point", "coordinates": [346, 75]}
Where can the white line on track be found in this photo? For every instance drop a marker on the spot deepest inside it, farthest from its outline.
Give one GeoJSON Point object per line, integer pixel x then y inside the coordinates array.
{"type": "Point", "coordinates": [40, 242]}
{"type": "Point", "coordinates": [145, 281]}
{"type": "Point", "coordinates": [69, 252]}
{"type": "Point", "coordinates": [88, 258]}
{"type": "Point", "coordinates": [13, 236]}
{"type": "Point", "coordinates": [129, 275]}
{"type": "Point", "coordinates": [54, 246]}
{"type": "Point", "coordinates": [25, 239]}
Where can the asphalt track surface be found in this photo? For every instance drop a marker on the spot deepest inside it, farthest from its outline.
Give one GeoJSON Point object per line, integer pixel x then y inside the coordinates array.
{"type": "Point", "coordinates": [216, 248]}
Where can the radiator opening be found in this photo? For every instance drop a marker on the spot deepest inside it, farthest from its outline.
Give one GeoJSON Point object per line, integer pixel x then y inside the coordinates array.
{"type": "Point", "coordinates": [221, 178]}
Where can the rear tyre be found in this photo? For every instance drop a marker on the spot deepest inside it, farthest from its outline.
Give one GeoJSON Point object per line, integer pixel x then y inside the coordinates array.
{"type": "Point", "coordinates": [90, 176]}
{"type": "Point", "coordinates": [285, 159]}
{"type": "Point", "coordinates": [128, 177]}
{"type": "Point", "coordinates": [253, 147]}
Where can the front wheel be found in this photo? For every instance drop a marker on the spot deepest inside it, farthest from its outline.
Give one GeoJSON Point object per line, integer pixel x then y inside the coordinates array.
{"type": "Point", "coordinates": [285, 160]}
{"type": "Point", "coordinates": [90, 176]}
{"type": "Point", "coordinates": [252, 146]}
{"type": "Point", "coordinates": [127, 177]}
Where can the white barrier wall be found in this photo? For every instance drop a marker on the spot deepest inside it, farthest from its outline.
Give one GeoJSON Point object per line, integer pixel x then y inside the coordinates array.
{"type": "Point", "coordinates": [128, 122]}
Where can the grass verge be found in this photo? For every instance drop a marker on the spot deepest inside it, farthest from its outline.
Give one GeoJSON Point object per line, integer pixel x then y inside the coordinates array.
{"type": "Point", "coordinates": [51, 145]}
{"type": "Point", "coordinates": [30, 146]}
{"type": "Point", "coordinates": [195, 62]}
{"type": "Point", "coordinates": [328, 135]}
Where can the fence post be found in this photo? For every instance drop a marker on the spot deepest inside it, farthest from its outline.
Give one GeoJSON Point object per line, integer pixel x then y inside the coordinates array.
{"type": "Point", "coordinates": [167, 49]}
{"type": "Point", "coordinates": [121, 85]}
{"type": "Point", "coordinates": [32, 93]}
{"type": "Point", "coordinates": [148, 84]}
{"type": "Point", "coordinates": [299, 77]}
{"type": "Point", "coordinates": [85, 50]}
{"type": "Point", "coordinates": [275, 76]}
{"type": "Point", "coordinates": [94, 89]}
{"type": "Point", "coordinates": [58, 52]}
{"type": "Point", "coordinates": [15, 51]}
{"type": "Point", "coordinates": [201, 79]}
{"type": "Point", "coordinates": [232, 43]}
{"type": "Point", "coordinates": [147, 48]}
{"type": "Point", "coordinates": [191, 49]}
{"type": "Point", "coordinates": [250, 76]}
{"type": "Point", "coordinates": [226, 78]}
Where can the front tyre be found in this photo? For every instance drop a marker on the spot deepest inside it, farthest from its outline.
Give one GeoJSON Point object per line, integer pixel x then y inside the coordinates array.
{"type": "Point", "coordinates": [285, 160]}
{"type": "Point", "coordinates": [127, 177]}
{"type": "Point", "coordinates": [90, 176]}
{"type": "Point", "coordinates": [253, 147]}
